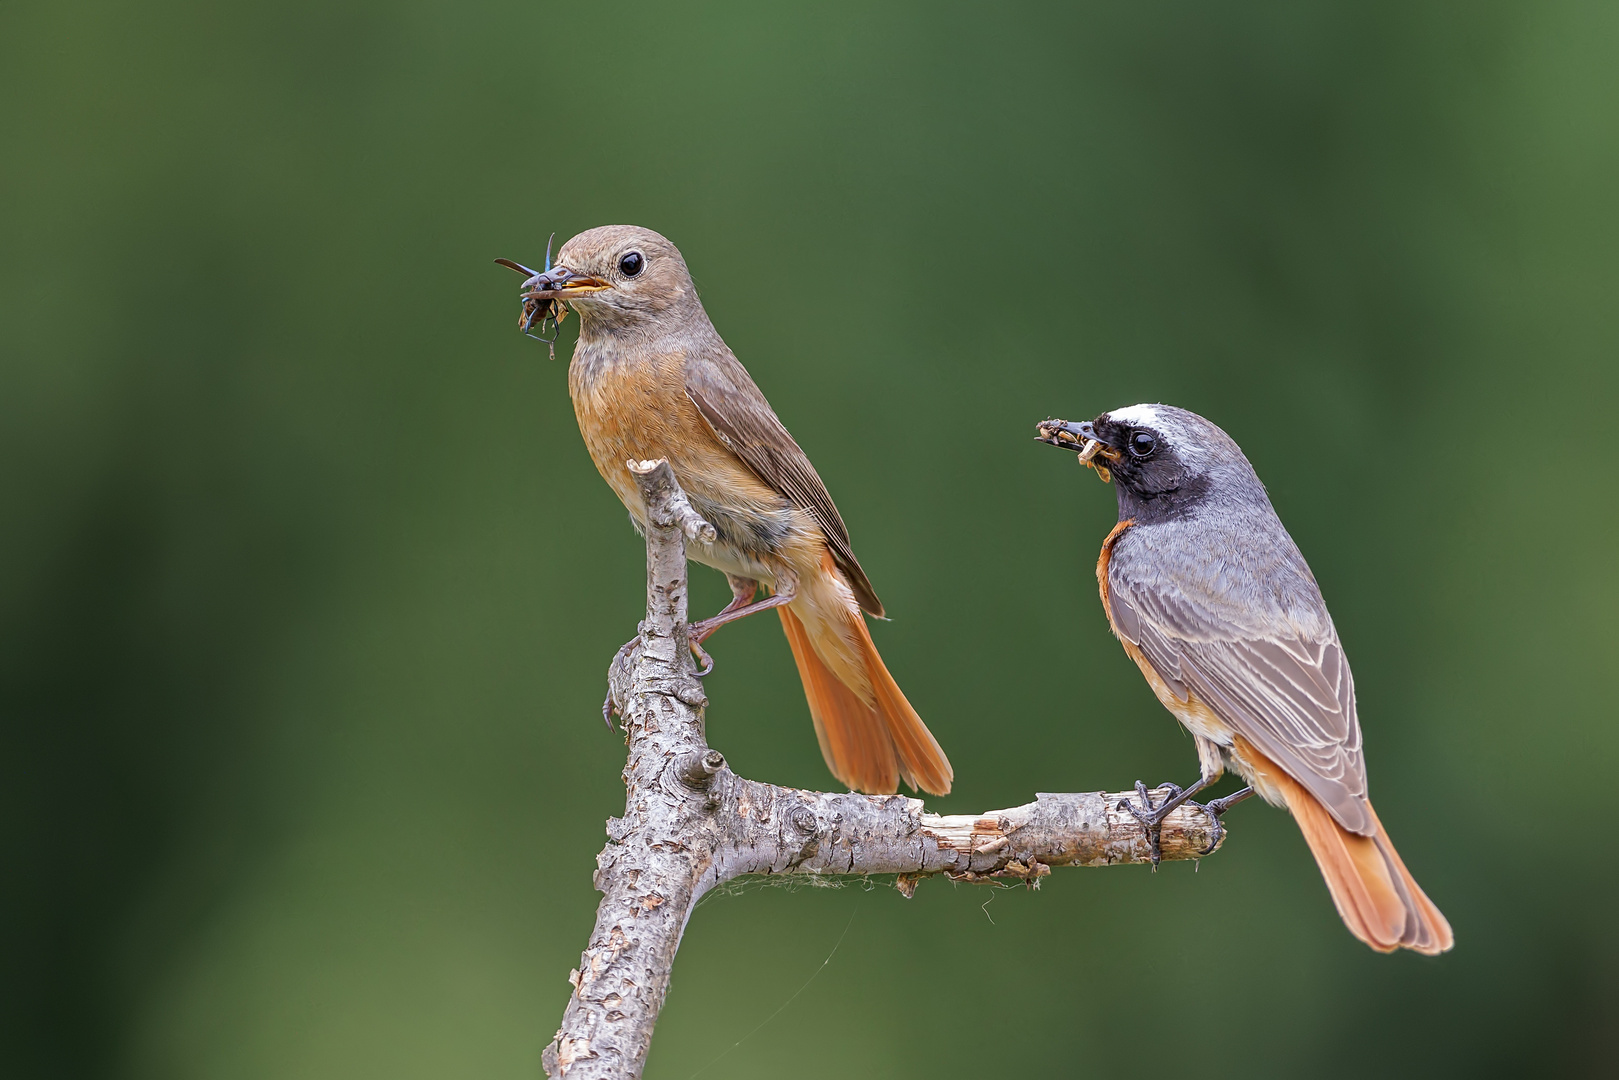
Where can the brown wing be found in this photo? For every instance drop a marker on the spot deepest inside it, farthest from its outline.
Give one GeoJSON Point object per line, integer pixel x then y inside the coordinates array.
{"type": "Point", "coordinates": [742, 419]}
{"type": "Point", "coordinates": [1292, 697]}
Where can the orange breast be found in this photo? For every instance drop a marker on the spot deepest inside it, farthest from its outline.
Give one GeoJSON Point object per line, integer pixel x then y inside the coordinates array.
{"type": "Point", "coordinates": [639, 410]}
{"type": "Point", "coordinates": [1101, 568]}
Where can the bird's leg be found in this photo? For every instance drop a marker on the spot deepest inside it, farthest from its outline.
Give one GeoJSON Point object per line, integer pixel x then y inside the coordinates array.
{"type": "Point", "coordinates": [742, 593]}
{"type": "Point", "coordinates": [1212, 765]}
{"type": "Point", "coordinates": [1153, 816]}
{"type": "Point", "coordinates": [743, 590]}
{"type": "Point", "coordinates": [742, 605]}
{"type": "Point", "coordinates": [1216, 807]}
{"type": "Point", "coordinates": [1220, 806]}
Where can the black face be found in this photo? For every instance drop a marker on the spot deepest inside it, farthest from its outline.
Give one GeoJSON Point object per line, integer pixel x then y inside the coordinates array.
{"type": "Point", "coordinates": [1148, 469]}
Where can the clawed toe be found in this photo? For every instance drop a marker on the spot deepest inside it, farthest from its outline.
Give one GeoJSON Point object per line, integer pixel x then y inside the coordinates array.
{"type": "Point", "coordinates": [1216, 808]}
{"type": "Point", "coordinates": [1152, 817]}
{"type": "Point", "coordinates": [1216, 830]}
{"type": "Point", "coordinates": [609, 708]}
{"type": "Point", "coordinates": [705, 662]}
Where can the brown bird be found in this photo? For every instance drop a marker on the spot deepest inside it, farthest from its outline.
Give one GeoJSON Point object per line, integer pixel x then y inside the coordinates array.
{"type": "Point", "coordinates": [651, 378]}
{"type": "Point", "coordinates": [1213, 601]}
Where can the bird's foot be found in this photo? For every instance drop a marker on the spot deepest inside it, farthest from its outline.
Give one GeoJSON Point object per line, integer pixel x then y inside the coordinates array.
{"type": "Point", "coordinates": [1152, 817]}
{"type": "Point", "coordinates": [705, 662]}
{"type": "Point", "coordinates": [609, 706]}
{"type": "Point", "coordinates": [703, 629]}
{"type": "Point", "coordinates": [1216, 809]}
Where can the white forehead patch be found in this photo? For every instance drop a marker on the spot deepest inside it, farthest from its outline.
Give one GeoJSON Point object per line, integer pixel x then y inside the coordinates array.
{"type": "Point", "coordinates": [1138, 416]}
{"type": "Point", "coordinates": [1186, 440]}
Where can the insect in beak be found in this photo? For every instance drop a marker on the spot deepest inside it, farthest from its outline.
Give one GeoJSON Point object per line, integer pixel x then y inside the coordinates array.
{"type": "Point", "coordinates": [1094, 449]}
{"type": "Point", "coordinates": [1078, 437]}
{"type": "Point", "coordinates": [539, 310]}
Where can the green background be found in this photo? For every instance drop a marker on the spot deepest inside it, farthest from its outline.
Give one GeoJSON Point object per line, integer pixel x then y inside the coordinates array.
{"type": "Point", "coordinates": [307, 586]}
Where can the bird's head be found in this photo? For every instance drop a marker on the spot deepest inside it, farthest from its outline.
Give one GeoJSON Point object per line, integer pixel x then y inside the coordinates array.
{"type": "Point", "coordinates": [616, 276]}
{"type": "Point", "coordinates": [1156, 454]}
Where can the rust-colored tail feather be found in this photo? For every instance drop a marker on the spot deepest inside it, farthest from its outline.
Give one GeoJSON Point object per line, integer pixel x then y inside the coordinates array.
{"type": "Point", "coordinates": [1376, 895]}
{"type": "Point", "coordinates": [867, 746]}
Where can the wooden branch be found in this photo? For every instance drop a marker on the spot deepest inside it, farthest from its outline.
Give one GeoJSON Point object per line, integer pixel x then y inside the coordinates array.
{"type": "Point", "coordinates": [690, 824]}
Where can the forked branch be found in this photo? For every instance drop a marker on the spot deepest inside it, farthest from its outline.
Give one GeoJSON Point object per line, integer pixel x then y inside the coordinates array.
{"type": "Point", "coordinates": [690, 824]}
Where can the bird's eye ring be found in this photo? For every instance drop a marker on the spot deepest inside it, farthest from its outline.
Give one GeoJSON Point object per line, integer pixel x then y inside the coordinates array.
{"type": "Point", "coordinates": [1142, 444]}
{"type": "Point", "coordinates": [631, 263]}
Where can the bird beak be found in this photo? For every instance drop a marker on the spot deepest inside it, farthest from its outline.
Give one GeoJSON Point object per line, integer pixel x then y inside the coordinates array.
{"type": "Point", "coordinates": [544, 291]}
{"type": "Point", "coordinates": [560, 283]}
{"type": "Point", "coordinates": [1081, 438]}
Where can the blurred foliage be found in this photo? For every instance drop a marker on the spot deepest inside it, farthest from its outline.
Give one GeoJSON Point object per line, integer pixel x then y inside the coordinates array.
{"type": "Point", "coordinates": [307, 585]}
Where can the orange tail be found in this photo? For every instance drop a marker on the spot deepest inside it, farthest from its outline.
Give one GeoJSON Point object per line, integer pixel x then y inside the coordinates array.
{"type": "Point", "coordinates": [868, 746]}
{"type": "Point", "coordinates": [1375, 894]}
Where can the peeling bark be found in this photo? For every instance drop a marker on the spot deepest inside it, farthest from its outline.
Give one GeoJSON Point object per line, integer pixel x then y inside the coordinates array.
{"type": "Point", "coordinates": [690, 824]}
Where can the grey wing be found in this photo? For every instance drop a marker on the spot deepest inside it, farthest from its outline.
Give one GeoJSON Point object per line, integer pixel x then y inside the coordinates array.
{"type": "Point", "coordinates": [742, 419]}
{"type": "Point", "coordinates": [1293, 698]}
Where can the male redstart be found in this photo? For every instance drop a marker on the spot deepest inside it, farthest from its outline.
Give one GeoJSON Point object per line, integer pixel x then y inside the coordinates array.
{"type": "Point", "coordinates": [1212, 600]}
{"type": "Point", "coordinates": [651, 378]}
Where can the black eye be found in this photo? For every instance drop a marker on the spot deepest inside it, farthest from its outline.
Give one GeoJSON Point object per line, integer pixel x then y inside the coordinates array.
{"type": "Point", "coordinates": [631, 264]}
{"type": "Point", "coordinates": [1142, 444]}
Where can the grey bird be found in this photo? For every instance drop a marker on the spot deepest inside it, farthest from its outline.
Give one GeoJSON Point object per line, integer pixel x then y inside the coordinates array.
{"type": "Point", "coordinates": [1213, 601]}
